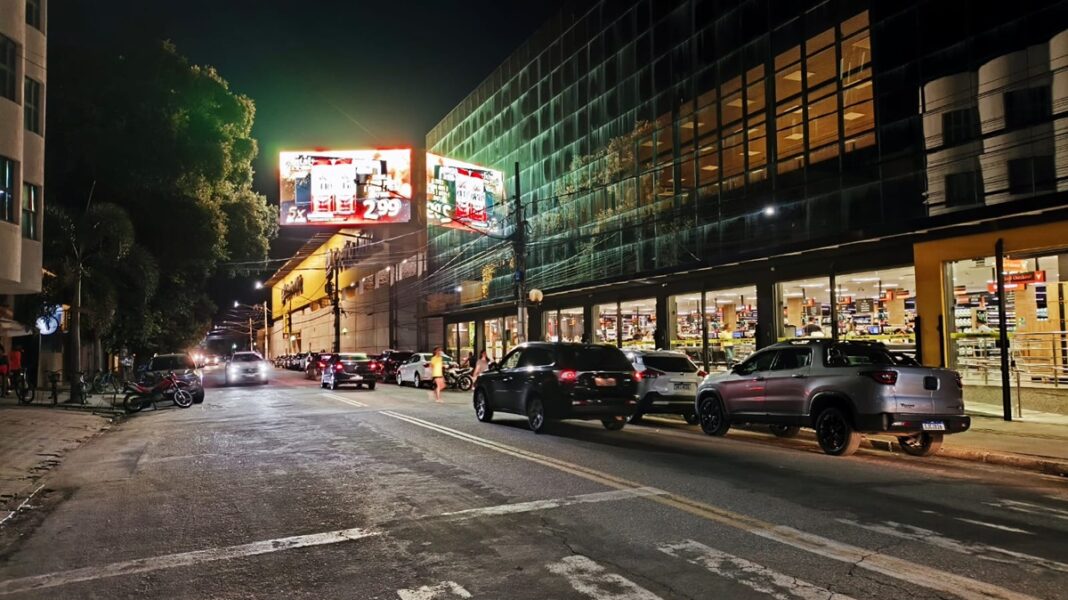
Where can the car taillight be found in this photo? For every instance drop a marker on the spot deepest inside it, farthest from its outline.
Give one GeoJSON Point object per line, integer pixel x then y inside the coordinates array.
{"type": "Point", "coordinates": [702, 373]}
{"type": "Point", "coordinates": [374, 366]}
{"type": "Point", "coordinates": [884, 377]}
{"type": "Point", "coordinates": [322, 365]}
{"type": "Point", "coordinates": [567, 376]}
{"type": "Point", "coordinates": [648, 374]}
{"type": "Point", "coordinates": [339, 367]}
{"type": "Point", "coordinates": [426, 365]}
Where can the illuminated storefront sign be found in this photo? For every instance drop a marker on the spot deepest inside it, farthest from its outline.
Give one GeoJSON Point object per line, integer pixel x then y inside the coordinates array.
{"type": "Point", "coordinates": [293, 289]}
{"type": "Point", "coordinates": [345, 187]}
{"type": "Point", "coordinates": [462, 195]}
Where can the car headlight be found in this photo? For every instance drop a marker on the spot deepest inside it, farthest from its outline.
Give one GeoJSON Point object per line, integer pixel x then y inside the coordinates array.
{"type": "Point", "coordinates": [263, 367]}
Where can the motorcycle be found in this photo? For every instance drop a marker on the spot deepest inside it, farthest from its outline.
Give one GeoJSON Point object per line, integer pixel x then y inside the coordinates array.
{"type": "Point", "coordinates": [459, 378]}
{"type": "Point", "coordinates": [169, 387]}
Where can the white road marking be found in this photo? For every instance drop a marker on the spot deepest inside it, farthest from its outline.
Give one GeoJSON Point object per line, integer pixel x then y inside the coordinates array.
{"type": "Point", "coordinates": [752, 575]}
{"type": "Point", "coordinates": [349, 401]}
{"type": "Point", "coordinates": [445, 589]}
{"type": "Point", "coordinates": [592, 580]}
{"type": "Point", "coordinates": [60, 578]}
{"type": "Point", "coordinates": [182, 559]}
{"type": "Point", "coordinates": [994, 526]}
{"type": "Point", "coordinates": [519, 507]}
{"type": "Point", "coordinates": [978, 550]}
{"type": "Point", "coordinates": [1029, 508]}
{"type": "Point", "coordinates": [22, 504]}
{"type": "Point", "coordinates": [896, 568]}
{"type": "Point", "coordinates": [929, 512]}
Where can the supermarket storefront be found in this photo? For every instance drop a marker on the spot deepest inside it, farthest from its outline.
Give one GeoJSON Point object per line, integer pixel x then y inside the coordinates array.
{"type": "Point", "coordinates": [958, 284]}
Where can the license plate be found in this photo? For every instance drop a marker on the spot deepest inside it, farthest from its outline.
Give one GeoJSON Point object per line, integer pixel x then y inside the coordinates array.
{"type": "Point", "coordinates": [934, 426]}
{"type": "Point", "coordinates": [683, 386]}
{"type": "Point", "coordinates": [604, 381]}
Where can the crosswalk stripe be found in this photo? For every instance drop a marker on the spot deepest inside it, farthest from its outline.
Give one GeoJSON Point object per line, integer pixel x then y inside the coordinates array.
{"type": "Point", "coordinates": [863, 558]}
{"type": "Point", "coordinates": [594, 581]}
{"type": "Point", "coordinates": [752, 575]}
{"type": "Point", "coordinates": [348, 401]}
{"type": "Point", "coordinates": [978, 550]}
{"type": "Point", "coordinates": [445, 589]}
{"type": "Point", "coordinates": [1030, 508]}
{"type": "Point", "coordinates": [993, 526]}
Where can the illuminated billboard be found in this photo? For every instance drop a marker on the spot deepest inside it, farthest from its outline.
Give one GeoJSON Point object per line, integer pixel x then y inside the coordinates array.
{"type": "Point", "coordinates": [460, 194]}
{"type": "Point", "coordinates": [345, 187]}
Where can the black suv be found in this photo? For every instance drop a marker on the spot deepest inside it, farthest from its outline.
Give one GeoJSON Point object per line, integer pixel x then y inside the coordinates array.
{"type": "Point", "coordinates": [391, 361]}
{"type": "Point", "coordinates": [543, 380]}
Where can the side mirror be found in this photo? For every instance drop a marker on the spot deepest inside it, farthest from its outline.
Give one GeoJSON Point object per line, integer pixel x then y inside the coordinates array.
{"type": "Point", "coordinates": [736, 368]}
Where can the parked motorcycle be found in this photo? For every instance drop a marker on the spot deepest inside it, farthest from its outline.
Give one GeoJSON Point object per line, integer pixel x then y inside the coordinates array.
{"type": "Point", "coordinates": [459, 378]}
{"type": "Point", "coordinates": [169, 387]}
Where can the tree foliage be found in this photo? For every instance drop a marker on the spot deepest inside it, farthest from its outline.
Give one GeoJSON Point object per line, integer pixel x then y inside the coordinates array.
{"type": "Point", "coordinates": [171, 145]}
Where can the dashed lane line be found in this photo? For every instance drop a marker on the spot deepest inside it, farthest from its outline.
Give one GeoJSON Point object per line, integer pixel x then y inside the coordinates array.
{"type": "Point", "coordinates": [994, 526]}
{"type": "Point", "coordinates": [182, 559]}
{"type": "Point", "coordinates": [890, 566]}
{"type": "Point", "coordinates": [594, 581]}
{"type": "Point", "coordinates": [1030, 508]}
{"type": "Point", "coordinates": [441, 591]}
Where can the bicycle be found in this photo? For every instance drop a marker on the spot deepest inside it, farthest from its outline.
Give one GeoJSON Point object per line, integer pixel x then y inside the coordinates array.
{"type": "Point", "coordinates": [107, 382]}
{"type": "Point", "coordinates": [23, 390]}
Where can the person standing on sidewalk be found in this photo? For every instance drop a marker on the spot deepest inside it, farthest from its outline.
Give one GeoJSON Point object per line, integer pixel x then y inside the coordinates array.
{"type": "Point", "coordinates": [3, 371]}
{"type": "Point", "coordinates": [437, 372]}
{"type": "Point", "coordinates": [481, 365]}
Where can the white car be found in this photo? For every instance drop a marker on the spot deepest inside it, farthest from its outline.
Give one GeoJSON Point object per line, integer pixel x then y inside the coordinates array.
{"type": "Point", "coordinates": [668, 384]}
{"type": "Point", "coordinates": [416, 370]}
{"type": "Point", "coordinates": [246, 367]}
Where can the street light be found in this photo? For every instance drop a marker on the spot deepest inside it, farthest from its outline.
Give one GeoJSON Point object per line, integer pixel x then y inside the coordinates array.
{"type": "Point", "coordinates": [259, 285]}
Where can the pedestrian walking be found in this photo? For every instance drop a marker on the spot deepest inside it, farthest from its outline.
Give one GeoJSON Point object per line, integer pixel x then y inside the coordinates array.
{"type": "Point", "coordinates": [472, 363]}
{"type": "Point", "coordinates": [481, 365]}
{"type": "Point", "coordinates": [437, 372]}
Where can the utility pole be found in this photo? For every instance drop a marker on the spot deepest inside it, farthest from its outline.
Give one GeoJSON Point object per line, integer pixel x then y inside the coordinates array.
{"type": "Point", "coordinates": [251, 336]}
{"type": "Point", "coordinates": [519, 243]}
{"type": "Point", "coordinates": [333, 281]}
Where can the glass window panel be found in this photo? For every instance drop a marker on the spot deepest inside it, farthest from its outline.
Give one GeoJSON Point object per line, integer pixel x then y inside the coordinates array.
{"type": "Point", "coordinates": [821, 67]}
{"type": "Point", "coordinates": [707, 121]}
{"type": "Point", "coordinates": [708, 168]}
{"type": "Point", "coordinates": [788, 83]}
{"type": "Point", "coordinates": [638, 324]}
{"type": "Point", "coordinates": [731, 320]}
{"type": "Point", "coordinates": [687, 334]}
{"type": "Point", "coordinates": [732, 108]}
{"type": "Point", "coordinates": [859, 92]}
{"type": "Point", "coordinates": [854, 24]}
{"type": "Point", "coordinates": [754, 96]}
{"type": "Point", "coordinates": [788, 58]}
{"type": "Point", "coordinates": [806, 308]}
{"type": "Point", "coordinates": [733, 160]}
{"type": "Point", "coordinates": [819, 42]}
{"type": "Point", "coordinates": [823, 107]}
{"type": "Point", "coordinates": [687, 178]}
{"type": "Point", "coordinates": [859, 118]}
{"type": "Point", "coordinates": [645, 152]}
{"type": "Point", "coordinates": [856, 52]}
{"type": "Point", "coordinates": [686, 132]}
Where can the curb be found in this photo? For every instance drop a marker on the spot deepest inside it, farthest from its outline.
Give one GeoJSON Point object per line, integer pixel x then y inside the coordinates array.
{"type": "Point", "coordinates": [1048, 466]}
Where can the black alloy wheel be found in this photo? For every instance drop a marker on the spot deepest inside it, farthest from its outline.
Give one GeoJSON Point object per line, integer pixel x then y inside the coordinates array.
{"type": "Point", "coordinates": [371, 386]}
{"type": "Point", "coordinates": [713, 420]}
{"type": "Point", "coordinates": [536, 415]}
{"type": "Point", "coordinates": [785, 431]}
{"type": "Point", "coordinates": [921, 444]}
{"type": "Point", "coordinates": [836, 434]}
{"type": "Point", "coordinates": [132, 403]}
{"type": "Point", "coordinates": [483, 412]}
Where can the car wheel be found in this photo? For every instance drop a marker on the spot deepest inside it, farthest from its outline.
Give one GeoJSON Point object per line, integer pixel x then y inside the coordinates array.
{"type": "Point", "coordinates": [333, 384]}
{"type": "Point", "coordinates": [536, 415]}
{"type": "Point", "coordinates": [921, 444]}
{"type": "Point", "coordinates": [416, 381]}
{"type": "Point", "coordinates": [359, 386]}
{"type": "Point", "coordinates": [836, 434]}
{"type": "Point", "coordinates": [713, 418]}
{"type": "Point", "coordinates": [371, 386]}
{"type": "Point", "coordinates": [691, 419]}
{"type": "Point", "coordinates": [614, 423]}
{"type": "Point", "coordinates": [198, 397]}
{"type": "Point", "coordinates": [785, 431]}
{"type": "Point", "coordinates": [635, 418]}
{"type": "Point", "coordinates": [483, 412]}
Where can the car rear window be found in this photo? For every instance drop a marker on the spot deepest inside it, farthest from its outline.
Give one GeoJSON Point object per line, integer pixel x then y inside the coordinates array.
{"type": "Point", "coordinates": [594, 358]}
{"type": "Point", "coordinates": [670, 364]}
{"type": "Point", "coordinates": [851, 355]}
{"type": "Point", "coordinates": [171, 363]}
{"type": "Point", "coordinates": [352, 356]}
{"type": "Point", "coordinates": [246, 358]}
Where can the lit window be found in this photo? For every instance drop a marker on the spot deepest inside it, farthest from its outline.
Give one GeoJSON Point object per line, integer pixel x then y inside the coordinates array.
{"type": "Point", "coordinates": [30, 205]}
{"type": "Point", "coordinates": [7, 189]}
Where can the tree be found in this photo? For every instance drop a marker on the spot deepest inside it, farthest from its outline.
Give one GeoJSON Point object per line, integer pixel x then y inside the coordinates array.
{"type": "Point", "coordinates": [85, 249]}
{"type": "Point", "coordinates": [171, 144]}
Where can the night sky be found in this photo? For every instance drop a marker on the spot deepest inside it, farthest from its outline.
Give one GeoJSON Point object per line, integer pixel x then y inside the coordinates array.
{"type": "Point", "coordinates": [328, 73]}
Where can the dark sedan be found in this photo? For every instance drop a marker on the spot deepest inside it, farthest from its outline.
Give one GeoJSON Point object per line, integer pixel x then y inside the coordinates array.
{"type": "Point", "coordinates": [391, 361]}
{"type": "Point", "coordinates": [348, 368]}
{"type": "Point", "coordinates": [543, 381]}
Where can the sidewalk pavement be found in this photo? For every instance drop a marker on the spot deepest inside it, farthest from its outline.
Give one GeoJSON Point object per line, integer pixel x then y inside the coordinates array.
{"type": "Point", "coordinates": [34, 440]}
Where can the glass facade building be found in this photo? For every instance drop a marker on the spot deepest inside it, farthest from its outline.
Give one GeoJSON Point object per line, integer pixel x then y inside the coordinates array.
{"type": "Point", "coordinates": [713, 175]}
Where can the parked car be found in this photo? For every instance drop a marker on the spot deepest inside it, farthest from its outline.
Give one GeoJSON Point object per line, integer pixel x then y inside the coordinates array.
{"type": "Point", "coordinates": [840, 389]}
{"type": "Point", "coordinates": [316, 362]}
{"type": "Point", "coordinates": [296, 363]}
{"type": "Point", "coordinates": [350, 368]}
{"type": "Point", "coordinates": [417, 370]}
{"type": "Point", "coordinates": [244, 367]}
{"type": "Point", "coordinates": [546, 380]}
{"type": "Point", "coordinates": [668, 384]}
{"type": "Point", "coordinates": [391, 361]}
{"type": "Point", "coordinates": [182, 365]}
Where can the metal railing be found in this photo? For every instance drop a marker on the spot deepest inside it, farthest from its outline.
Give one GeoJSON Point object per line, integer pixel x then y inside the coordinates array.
{"type": "Point", "coordinates": [1040, 362]}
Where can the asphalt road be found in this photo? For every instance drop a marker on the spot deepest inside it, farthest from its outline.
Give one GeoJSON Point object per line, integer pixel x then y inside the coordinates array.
{"type": "Point", "coordinates": [290, 491]}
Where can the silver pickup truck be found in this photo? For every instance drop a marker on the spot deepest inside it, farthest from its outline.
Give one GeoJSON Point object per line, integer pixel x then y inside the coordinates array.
{"type": "Point", "coordinates": [842, 390]}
